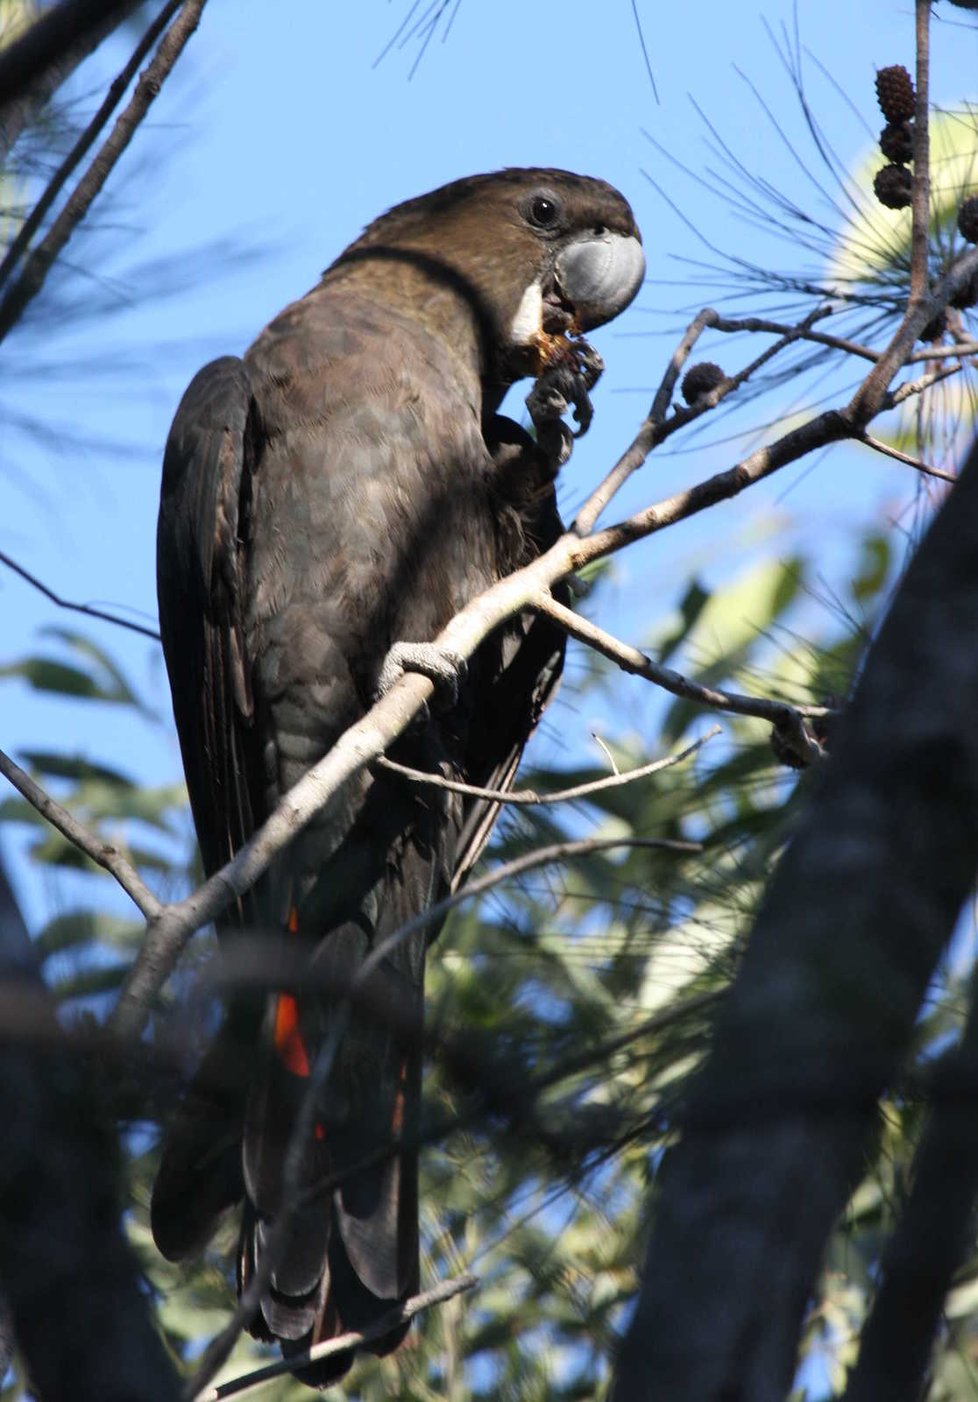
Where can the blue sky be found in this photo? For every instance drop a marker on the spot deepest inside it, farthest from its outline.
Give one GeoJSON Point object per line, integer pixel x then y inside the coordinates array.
{"type": "Point", "coordinates": [280, 136]}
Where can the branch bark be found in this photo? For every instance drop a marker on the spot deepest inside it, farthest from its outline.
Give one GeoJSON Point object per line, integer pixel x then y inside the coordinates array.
{"type": "Point", "coordinates": [103, 853]}
{"type": "Point", "coordinates": [788, 720]}
{"type": "Point", "coordinates": [530, 797]}
{"type": "Point", "coordinates": [824, 1005]}
{"type": "Point", "coordinates": [89, 610]}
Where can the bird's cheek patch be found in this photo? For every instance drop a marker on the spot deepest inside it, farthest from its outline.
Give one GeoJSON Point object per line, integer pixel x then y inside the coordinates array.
{"type": "Point", "coordinates": [528, 321]}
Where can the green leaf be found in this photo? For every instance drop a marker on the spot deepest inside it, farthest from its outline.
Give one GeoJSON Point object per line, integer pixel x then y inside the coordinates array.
{"type": "Point", "coordinates": [113, 680]}
{"type": "Point", "coordinates": [78, 767]}
{"type": "Point", "coordinates": [46, 674]}
{"type": "Point", "coordinates": [92, 675]}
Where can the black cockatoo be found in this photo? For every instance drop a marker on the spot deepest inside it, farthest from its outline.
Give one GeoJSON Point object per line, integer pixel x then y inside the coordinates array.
{"type": "Point", "coordinates": [338, 493]}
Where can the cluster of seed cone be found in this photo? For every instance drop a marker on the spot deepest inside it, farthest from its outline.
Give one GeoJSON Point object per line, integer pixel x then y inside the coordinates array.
{"type": "Point", "coordinates": [893, 184]}
{"type": "Point", "coordinates": [898, 102]}
{"type": "Point", "coordinates": [701, 379]}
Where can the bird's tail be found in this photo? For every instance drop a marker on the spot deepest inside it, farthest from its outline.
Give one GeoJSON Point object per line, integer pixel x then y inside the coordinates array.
{"type": "Point", "coordinates": [330, 1160]}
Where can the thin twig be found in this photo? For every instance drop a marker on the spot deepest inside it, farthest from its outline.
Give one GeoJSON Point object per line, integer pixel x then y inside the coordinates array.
{"type": "Point", "coordinates": [663, 396]}
{"type": "Point", "coordinates": [446, 1290]}
{"type": "Point", "coordinates": [103, 853]}
{"type": "Point", "coordinates": [656, 428]}
{"type": "Point", "coordinates": [39, 262]}
{"type": "Point", "coordinates": [531, 796]}
{"type": "Point", "coordinates": [787, 719]}
{"type": "Point", "coordinates": [606, 751]}
{"type": "Point", "coordinates": [85, 141]}
{"type": "Point", "coordinates": [831, 426]}
{"type": "Point", "coordinates": [648, 435]}
{"type": "Point", "coordinates": [755, 324]}
{"type": "Point", "coordinates": [247, 964]}
{"type": "Point", "coordinates": [920, 208]}
{"type": "Point", "coordinates": [88, 609]}
{"type": "Point", "coordinates": [911, 387]}
{"type": "Point", "coordinates": [897, 456]}
{"type": "Point", "coordinates": [759, 324]}
{"type": "Point", "coordinates": [508, 871]}
{"type": "Point", "coordinates": [960, 350]}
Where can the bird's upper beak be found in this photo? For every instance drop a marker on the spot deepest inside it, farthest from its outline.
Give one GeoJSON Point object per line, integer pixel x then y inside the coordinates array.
{"type": "Point", "coordinates": [599, 274]}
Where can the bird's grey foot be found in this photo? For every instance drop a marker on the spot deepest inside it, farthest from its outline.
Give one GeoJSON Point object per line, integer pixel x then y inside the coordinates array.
{"type": "Point", "coordinates": [440, 665]}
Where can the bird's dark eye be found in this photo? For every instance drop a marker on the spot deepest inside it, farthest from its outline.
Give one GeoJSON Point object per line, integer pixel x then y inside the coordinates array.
{"type": "Point", "coordinates": [543, 211]}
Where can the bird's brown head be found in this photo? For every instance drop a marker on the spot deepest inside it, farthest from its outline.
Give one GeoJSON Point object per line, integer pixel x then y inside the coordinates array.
{"type": "Point", "coordinates": [525, 255]}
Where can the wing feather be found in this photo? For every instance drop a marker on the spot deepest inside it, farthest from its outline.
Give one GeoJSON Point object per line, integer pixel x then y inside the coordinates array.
{"type": "Point", "coordinates": [201, 541]}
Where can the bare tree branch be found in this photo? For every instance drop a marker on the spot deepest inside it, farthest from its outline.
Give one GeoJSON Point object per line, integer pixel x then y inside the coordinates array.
{"type": "Point", "coordinates": [657, 427]}
{"type": "Point", "coordinates": [755, 324]}
{"type": "Point", "coordinates": [646, 438]}
{"type": "Point", "coordinates": [962, 349]}
{"type": "Point", "coordinates": [871, 396]}
{"type": "Point", "coordinates": [910, 388]}
{"type": "Point", "coordinates": [832, 426]}
{"type": "Point", "coordinates": [38, 264]}
{"type": "Point", "coordinates": [920, 210]}
{"type": "Point", "coordinates": [879, 446]}
{"type": "Point", "coordinates": [107, 856]}
{"type": "Point", "coordinates": [530, 797]}
{"type": "Point", "coordinates": [88, 609]}
{"type": "Point", "coordinates": [789, 720]}
{"type": "Point", "coordinates": [763, 325]}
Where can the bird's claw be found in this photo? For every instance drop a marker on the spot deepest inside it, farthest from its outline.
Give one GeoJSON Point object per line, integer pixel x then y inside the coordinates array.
{"type": "Point", "coordinates": [440, 665]}
{"type": "Point", "coordinates": [566, 382]}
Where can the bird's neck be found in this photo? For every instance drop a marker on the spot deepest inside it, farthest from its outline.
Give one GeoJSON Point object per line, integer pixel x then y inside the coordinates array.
{"type": "Point", "coordinates": [431, 293]}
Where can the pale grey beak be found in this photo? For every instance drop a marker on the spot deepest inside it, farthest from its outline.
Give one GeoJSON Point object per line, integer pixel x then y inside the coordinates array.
{"type": "Point", "coordinates": [599, 275]}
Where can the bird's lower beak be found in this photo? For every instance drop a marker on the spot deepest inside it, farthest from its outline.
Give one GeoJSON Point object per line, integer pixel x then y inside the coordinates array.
{"type": "Point", "coordinates": [599, 275]}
